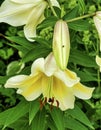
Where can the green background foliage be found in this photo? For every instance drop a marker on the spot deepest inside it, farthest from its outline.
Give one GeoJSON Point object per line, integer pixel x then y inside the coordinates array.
{"type": "Point", "coordinates": [17, 55]}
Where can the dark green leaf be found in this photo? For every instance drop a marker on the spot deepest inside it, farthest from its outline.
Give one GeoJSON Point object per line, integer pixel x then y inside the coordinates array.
{"type": "Point", "coordinates": [39, 121]}
{"type": "Point", "coordinates": [3, 79]}
{"type": "Point", "coordinates": [19, 48]}
{"type": "Point", "coordinates": [11, 115]}
{"type": "Point", "coordinates": [51, 124]}
{"type": "Point", "coordinates": [86, 77]}
{"type": "Point", "coordinates": [73, 124]}
{"type": "Point", "coordinates": [21, 41]}
{"type": "Point", "coordinates": [21, 124]}
{"type": "Point", "coordinates": [78, 114]}
{"type": "Point", "coordinates": [80, 25]}
{"type": "Point", "coordinates": [81, 58]}
{"type": "Point", "coordinates": [81, 6]}
{"type": "Point", "coordinates": [48, 22]}
{"type": "Point", "coordinates": [72, 14]}
{"type": "Point", "coordinates": [35, 53]}
{"type": "Point", "coordinates": [43, 42]}
{"type": "Point", "coordinates": [57, 117]}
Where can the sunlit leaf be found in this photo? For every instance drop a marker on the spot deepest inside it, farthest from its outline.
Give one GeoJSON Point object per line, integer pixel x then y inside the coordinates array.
{"type": "Point", "coordinates": [33, 109]}
{"type": "Point", "coordinates": [11, 115]}
{"type": "Point", "coordinates": [57, 117]}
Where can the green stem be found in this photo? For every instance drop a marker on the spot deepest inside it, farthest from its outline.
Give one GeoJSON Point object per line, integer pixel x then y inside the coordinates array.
{"type": "Point", "coordinates": [98, 80]}
{"type": "Point", "coordinates": [81, 17]}
{"type": "Point", "coordinates": [86, 47]}
{"type": "Point", "coordinates": [98, 72]}
{"type": "Point", "coordinates": [50, 5]}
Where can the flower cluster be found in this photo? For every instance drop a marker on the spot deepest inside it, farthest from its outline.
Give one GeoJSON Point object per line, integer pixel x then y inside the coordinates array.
{"type": "Point", "coordinates": [49, 77]}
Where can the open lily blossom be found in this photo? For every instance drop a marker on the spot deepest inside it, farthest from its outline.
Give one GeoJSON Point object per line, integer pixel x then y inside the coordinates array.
{"type": "Point", "coordinates": [98, 61]}
{"type": "Point", "coordinates": [61, 43]}
{"type": "Point", "coordinates": [58, 87]}
{"type": "Point", "coordinates": [97, 22]}
{"type": "Point", "coordinates": [24, 12]}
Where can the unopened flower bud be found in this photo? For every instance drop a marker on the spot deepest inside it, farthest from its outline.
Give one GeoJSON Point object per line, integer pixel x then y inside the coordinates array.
{"type": "Point", "coordinates": [61, 44]}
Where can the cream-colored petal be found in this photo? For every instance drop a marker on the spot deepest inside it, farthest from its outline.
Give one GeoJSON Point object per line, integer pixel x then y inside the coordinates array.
{"type": "Point", "coordinates": [33, 90]}
{"type": "Point", "coordinates": [63, 95]}
{"type": "Point", "coordinates": [98, 61]}
{"type": "Point", "coordinates": [55, 3]}
{"type": "Point", "coordinates": [68, 77]}
{"type": "Point", "coordinates": [27, 1]}
{"type": "Point", "coordinates": [14, 14]}
{"type": "Point", "coordinates": [54, 88]}
{"type": "Point", "coordinates": [97, 22]}
{"type": "Point", "coordinates": [50, 65]}
{"type": "Point", "coordinates": [36, 16]}
{"type": "Point", "coordinates": [16, 81]}
{"type": "Point", "coordinates": [37, 66]}
{"type": "Point", "coordinates": [82, 92]}
{"type": "Point", "coordinates": [47, 84]}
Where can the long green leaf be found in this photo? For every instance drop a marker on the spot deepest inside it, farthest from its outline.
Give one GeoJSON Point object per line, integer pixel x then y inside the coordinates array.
{"type": "Point", "coordinates": [78, 114]}
{"type": "Point", "coordinates": [21, 41]}
{"type": "Point", "coordinates": [39, 121]}
{"type": "Point", "coordinates": [73, 124]}
{"type": "Point", "coordinates": [51, 124]}
{"type": "Point", "coordinates": [80, 25]}
{"type": "Point", "coordinates": [33, 109]}
{"type": "Point", "coordinates": [72, 14]}
{"type": "Point", "coordinates": [81, 58]}
{"type": "Point", "coordinates": [81, 6]}
{"type": "Point", "coordinates": [21, 124]}
{"type": "Point", "coordinates": [57, 117]}
{"type": "Point", "coordinates": [48, 22]}
{"type": "Point", "coordinates": [86, 77]}
{"type": "Point", "coordinates": [11, 115]}
{"type": "Point", "coordinates": [33, 54]}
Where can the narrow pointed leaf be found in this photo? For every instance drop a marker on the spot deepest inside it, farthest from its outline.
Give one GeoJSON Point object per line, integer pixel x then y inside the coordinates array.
{"type": "Point", "coordinates": [78, 114]}
{"type": "Point", "coordinates": [57, 117]}
{"type": "Point", "coordinates": [33, 109]}
{"type": "Point", "coordinates": [39, 121]}
{"type": "Point", "coordinates": [11, 115]}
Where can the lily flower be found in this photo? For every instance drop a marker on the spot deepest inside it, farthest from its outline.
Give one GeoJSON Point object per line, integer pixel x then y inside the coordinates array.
{"type": "Point", "coordinates": [98, 61]}
{"type": "Point", "coordinates": [24, 12]}
{"type": "Point", "coordinates": [61, 44]}
{"type": "Point", "coordinates": [58, 87]}
{"type": "Point", "coordinates": [97, 22]}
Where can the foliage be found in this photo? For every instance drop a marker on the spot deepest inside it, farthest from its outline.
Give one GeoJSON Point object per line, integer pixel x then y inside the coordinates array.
{"type": "Point", "coordinates": [17, 54]}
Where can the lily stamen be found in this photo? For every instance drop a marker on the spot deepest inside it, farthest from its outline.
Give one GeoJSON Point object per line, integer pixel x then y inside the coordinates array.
{"type": "Point", "coordinates": [57, 103]}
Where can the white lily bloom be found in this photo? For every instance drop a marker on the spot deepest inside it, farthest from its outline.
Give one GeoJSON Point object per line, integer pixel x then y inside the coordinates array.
{"type": "Point", "coordinates": [98, 61]}
{"type": "Point", "coordinates": [24, 12]}
{"type": "Point", "coordinates": [97, 22]}
{"type": "Point", "coordinates": [58, 88]}
{"type": "Point", "coordinates": [61, 43]}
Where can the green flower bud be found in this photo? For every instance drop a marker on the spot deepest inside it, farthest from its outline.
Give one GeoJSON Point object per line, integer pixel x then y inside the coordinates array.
{"type": "Point", "coordinates": [61, 44]}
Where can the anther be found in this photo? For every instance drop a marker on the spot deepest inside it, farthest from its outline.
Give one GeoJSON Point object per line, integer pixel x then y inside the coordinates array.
{"type": "Point", "coordinates": [49, 100]}
{"type": "Point", "coordinates": [45, 101]}
{"type": "Point", "coordinates": [41, 104]}
{"type": "Point", "coordinates": [57, 103]}
{"type": "Point", "coordinates": [52, 101]}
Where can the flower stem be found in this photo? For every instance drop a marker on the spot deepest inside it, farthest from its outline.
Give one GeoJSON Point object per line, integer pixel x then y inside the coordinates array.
{"type": "Point", "coordinates": [53, 11]}
{"type": "Point", "coordinates": [81, 17]}
{"type": "Point", "coordinates": [99, 79]}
